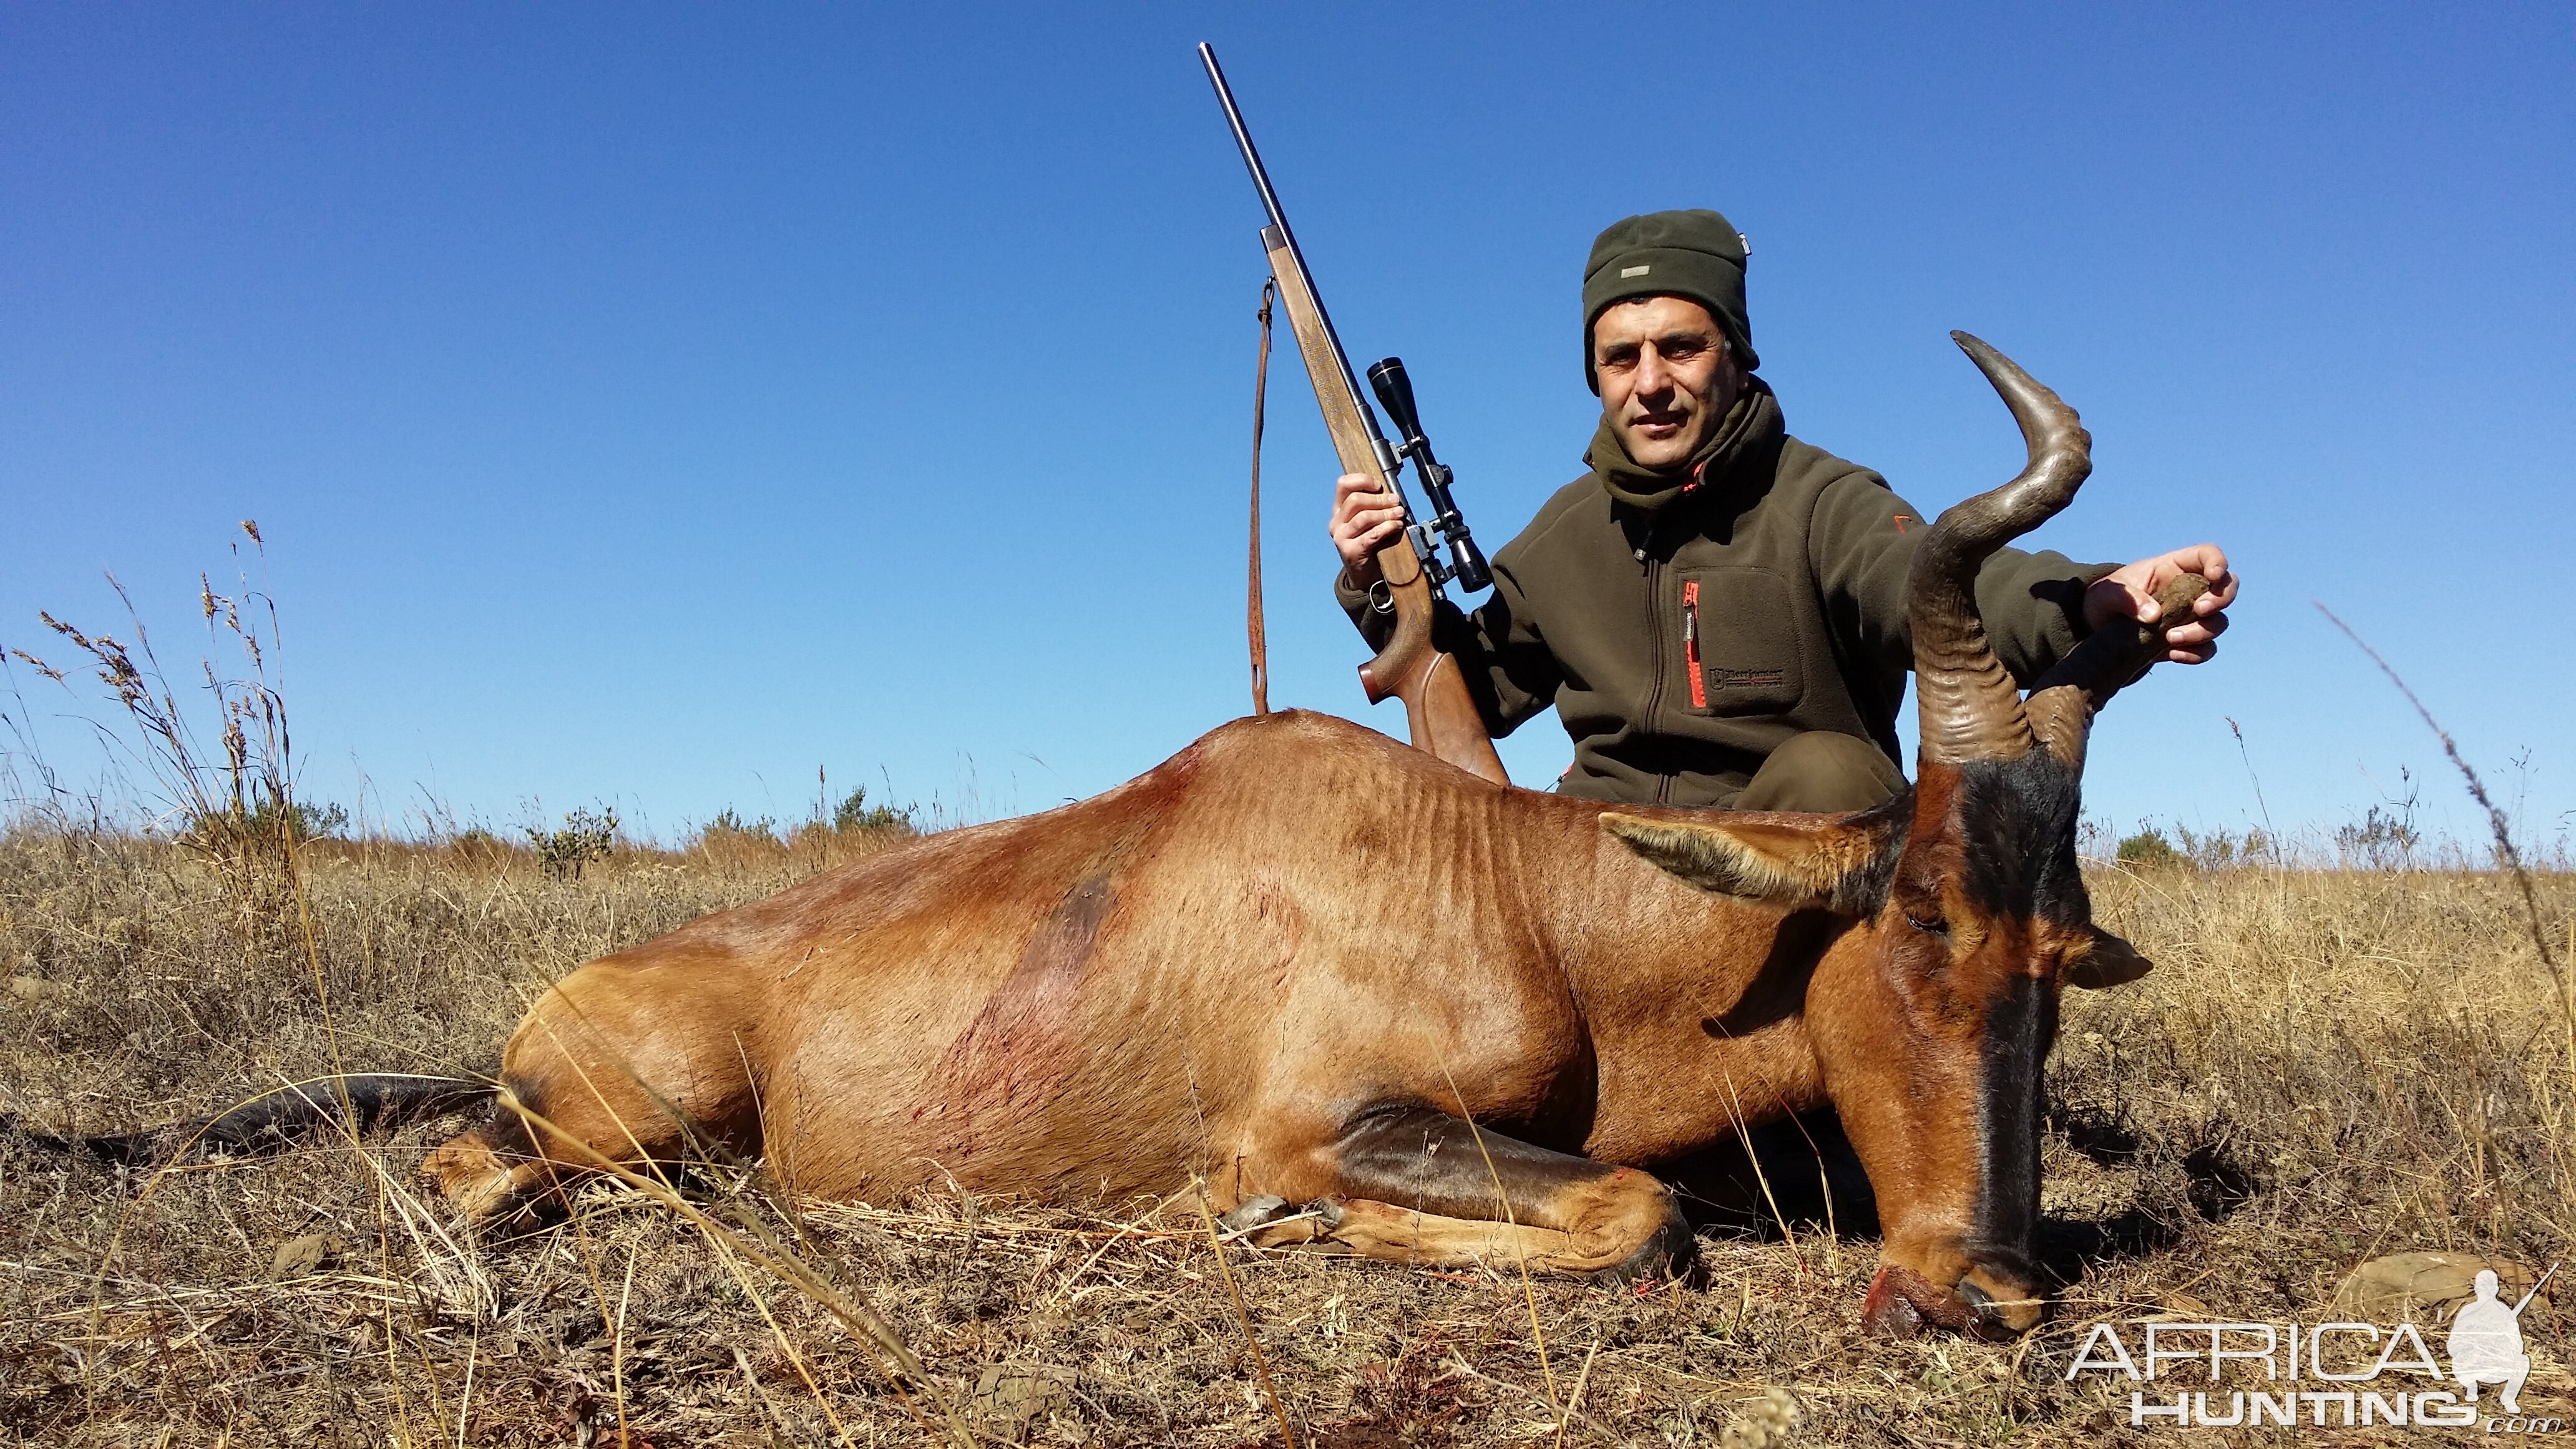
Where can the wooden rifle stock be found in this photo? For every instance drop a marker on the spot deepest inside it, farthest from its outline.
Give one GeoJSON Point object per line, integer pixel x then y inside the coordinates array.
{"type": "Point", "coordinates": [1437, 706]}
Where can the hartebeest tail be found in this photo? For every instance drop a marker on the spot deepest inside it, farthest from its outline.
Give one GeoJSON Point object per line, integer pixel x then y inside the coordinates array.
{"type": "Point", "coordinates": [275, 1121]}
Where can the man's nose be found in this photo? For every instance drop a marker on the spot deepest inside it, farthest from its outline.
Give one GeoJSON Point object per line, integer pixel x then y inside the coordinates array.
{"type": "Point", "coordinates": [1652, 376]}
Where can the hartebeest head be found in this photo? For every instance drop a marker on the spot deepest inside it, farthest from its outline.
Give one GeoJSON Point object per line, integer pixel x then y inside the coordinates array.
{"type": "Point", "coordinates": [1971, 906]}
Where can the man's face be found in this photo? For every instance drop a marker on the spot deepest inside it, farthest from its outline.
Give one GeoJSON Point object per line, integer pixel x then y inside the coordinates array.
{"type": "Point", "coordinates": [1667, 377]}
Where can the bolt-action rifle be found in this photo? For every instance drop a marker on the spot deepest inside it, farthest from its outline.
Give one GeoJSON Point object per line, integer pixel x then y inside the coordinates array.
{"type": "Point", "coordinates": [1436, 703]}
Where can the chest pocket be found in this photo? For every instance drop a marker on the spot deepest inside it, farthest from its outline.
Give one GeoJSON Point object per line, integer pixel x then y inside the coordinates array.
{"type": "Point", "coordinates": [1740, 642]}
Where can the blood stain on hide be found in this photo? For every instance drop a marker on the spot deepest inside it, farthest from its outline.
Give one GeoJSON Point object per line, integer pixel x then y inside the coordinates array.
{"type": "Point", "coordinates": [1019, 1047]}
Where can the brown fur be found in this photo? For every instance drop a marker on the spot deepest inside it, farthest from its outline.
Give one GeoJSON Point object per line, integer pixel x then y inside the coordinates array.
{"type": "Point", "coordinates": [1215, 967]}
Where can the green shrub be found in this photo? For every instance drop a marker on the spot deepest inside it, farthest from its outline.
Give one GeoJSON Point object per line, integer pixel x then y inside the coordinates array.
{"type": "Point", "coordinates": [226, 831]}
{"type": "Point", "coordinates": [2380, 840]}
{"type": "Point", "coordinates": [2220, 849]}
{"type": "Point", "coordinates": [855, 814]}
{"type": "Point", "coordinates": [585, 836]}
{"type": "Point", "coordinates": [729, 824]}
{"type": "Point", "coordinates": [2149, 850]}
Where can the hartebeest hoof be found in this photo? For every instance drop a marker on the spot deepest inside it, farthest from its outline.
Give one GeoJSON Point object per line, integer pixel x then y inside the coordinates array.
{"type": "Point", "coordinates": [1903, 1303]}
{"type": "Point", "coordinates": [1254, 1212]}
{"type": "Point", "coordinates": [487, 1187]}
{"type": "Point", "coordinates": [1671, 1252]}
{"type": "Point", "coordinates": [1268, 1221]}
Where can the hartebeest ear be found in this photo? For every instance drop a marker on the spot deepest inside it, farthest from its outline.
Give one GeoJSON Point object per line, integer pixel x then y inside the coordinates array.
{"type": "Point", "coordinates": [2111, 962]}
{"type": "Point", "coordinates": [1825, 861]}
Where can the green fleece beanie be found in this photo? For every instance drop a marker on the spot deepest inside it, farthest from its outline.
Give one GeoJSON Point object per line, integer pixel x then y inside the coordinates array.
{"type": "Point", "coordinates": [1694, 254]}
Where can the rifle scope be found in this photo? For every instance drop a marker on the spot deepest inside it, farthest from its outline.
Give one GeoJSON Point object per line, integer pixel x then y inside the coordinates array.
{"type": "Point", "coordinates": [1395, 393]}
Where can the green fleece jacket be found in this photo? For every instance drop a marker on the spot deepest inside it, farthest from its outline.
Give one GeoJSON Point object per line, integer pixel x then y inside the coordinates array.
{"type": "Point", "coordinates": [1685, 627]}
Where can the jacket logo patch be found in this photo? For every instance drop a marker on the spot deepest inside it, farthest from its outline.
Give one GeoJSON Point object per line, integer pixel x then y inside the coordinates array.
{"type": "Point", "coordinates": [1626, 272]}
{"type": "Point", "coordinates": [1745, 678]}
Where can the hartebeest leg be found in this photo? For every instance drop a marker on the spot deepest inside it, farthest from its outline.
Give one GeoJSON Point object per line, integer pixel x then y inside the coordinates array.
{"type": "Point", "coordinates": [1414, 1185]}
{"type": "Point", "coordinates": [603, 1073]}
{"type": "Point", "coordinates": [576, 1123]}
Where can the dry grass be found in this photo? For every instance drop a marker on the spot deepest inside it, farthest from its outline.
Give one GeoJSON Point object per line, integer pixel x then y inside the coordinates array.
{"type": "Point", "coordinates": [2326, 1066]}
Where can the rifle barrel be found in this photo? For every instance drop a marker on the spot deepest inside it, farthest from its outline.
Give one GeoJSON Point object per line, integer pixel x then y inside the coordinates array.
{"type": "Point", "coordinates": [2535, 1290]}
{"type": "Point", "coordinates": [1296, 254]}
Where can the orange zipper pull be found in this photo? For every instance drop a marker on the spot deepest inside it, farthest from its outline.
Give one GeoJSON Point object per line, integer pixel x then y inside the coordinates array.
{"type": "Point", "coordinates": [1690, 643]}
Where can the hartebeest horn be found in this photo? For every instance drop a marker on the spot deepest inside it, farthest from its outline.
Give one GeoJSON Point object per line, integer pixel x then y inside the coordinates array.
{"type": "Point", "coordinates": [1970, 708]}
{"type": "Point", "coordinates": [2064, 700]}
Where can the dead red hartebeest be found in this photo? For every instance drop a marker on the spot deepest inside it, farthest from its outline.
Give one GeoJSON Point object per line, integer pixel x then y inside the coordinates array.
{"type": "Point", "coordinates": [1300, 959]}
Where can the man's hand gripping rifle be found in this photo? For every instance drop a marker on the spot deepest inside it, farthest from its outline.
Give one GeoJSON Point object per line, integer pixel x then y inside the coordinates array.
{"type": "Point", "coordinates": [1437, 705]}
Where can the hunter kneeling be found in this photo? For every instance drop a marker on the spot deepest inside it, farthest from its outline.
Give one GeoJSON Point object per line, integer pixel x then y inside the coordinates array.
{"type": "Point", "coordinates": [1716, 609]}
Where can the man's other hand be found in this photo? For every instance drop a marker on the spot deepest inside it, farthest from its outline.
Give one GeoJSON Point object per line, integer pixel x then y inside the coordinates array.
{"type": "Point", "coordinates": [1365, 516]}
{"type": "Point", "coordinates": [2130, 593]}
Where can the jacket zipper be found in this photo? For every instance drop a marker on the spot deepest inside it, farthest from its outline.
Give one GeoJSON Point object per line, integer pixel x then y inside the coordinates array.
{"type": "Point", "coordinates": [1655, 630]}
{"type": "Point", "coordinates": [1690, 644]}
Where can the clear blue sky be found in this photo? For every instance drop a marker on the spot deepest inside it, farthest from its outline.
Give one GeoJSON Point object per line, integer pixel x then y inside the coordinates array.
{"type": "Point", "coordinates": [651, 404]}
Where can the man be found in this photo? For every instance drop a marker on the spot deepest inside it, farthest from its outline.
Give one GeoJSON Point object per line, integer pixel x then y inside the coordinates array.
{"type": "Point", "coordinates": [1716, 609]}
{"type": "Point", "coordinates": [2486, 1345]}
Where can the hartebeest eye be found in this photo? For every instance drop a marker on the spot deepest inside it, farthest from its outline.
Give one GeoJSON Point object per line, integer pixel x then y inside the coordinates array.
{"type": "Point", "coordinates": [1929, 925]}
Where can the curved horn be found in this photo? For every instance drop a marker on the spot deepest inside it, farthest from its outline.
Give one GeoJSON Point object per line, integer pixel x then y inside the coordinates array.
{"type": "Point", "coordinates": [2065, 699]}
{"type": "Point", "coordinates": [1970, 708]}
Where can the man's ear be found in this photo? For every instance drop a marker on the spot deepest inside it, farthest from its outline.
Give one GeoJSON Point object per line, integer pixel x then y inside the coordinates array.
{"type": "Point", "coordinates": [2111, 962]}
{"type": "Point", "coordinates": [1827, 862]}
